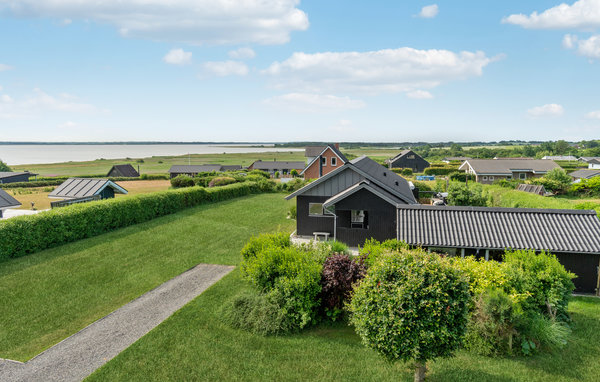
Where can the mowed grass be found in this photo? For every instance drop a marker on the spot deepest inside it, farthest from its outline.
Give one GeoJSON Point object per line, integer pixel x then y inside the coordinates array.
{"type": "Point", "coordinates": [39, 195]}
{"type": "Point", "coordinates": [156, 164]}
{"type": "Point", "coordinates": [46, 297]}
{"type": "Point", "coordinates": [195, 345]}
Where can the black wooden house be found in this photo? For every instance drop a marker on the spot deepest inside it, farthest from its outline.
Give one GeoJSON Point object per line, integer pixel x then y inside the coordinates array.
{"type": "Point", "coordinates": [408, 159]}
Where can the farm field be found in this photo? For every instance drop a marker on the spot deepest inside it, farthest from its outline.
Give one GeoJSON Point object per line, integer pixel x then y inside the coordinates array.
{"type": "Point", "coordinates": [39, 195]}
{"type": "Point", "coordinates": [50, 295]}
{"type": "Point", "coordinates": [154, 165]}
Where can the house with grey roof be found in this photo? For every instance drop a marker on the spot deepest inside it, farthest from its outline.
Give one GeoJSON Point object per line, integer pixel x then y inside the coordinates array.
{"type": "Point", "coordinates": [560, 157]}
{"type": "Point", "coordinates": [79, 190]}
{"type": "Point", "coordinates": [587, 159]}
{"type": "Point", "coordinates": [14, 176]}
{"type": "Point", "coordinates": [352, 203]}
{"type": "Point", "coordinates": [123, 171]}
{"type": "Point", "coordinates": [7, 201]}
{"type": "Point", "coordinates": [594, 164]}
{"type": "Point", "coordinates": [194, 170]}
{"type": "Point", "coordinates": [584, 174]}
{"type": "Point", "coordinates": [490, 170]}
{"type": "Point", "coordinates": [324, 162]}
{"type": "Point", "coordinates": [408, 159]}
{"type": "Point", "coordinates": [272, 167]}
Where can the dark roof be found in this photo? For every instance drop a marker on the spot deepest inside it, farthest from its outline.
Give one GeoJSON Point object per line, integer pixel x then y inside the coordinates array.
{"type": "Point", "coordinates": [313, 151]}
{"type": "Point", "coordinates": [82, 187]}
{"type": "Point", "coordinates": [576, 231]}
{"type": "Point", "coordinates": [194, 169]}
{"type": "Point", "coordinates": [532, 188]}
{"type": "Point", "coordinates": [507, 166]}
{"type": "Point", "coordinates": [386, 179]}
{"type": "Point", "coordinates": [587, 159]}
{"type": "Point", "coordinates": [560, 157]}
{"type": "Point", "coordinates": [125, 170]}
{"type": "Point", "coordinates": [338, 153]}
{"type": "Point", "coordinates": [275, 165]}
{"type": "Point", "coordinates": [231, 167]}
{"type": "Point", "coordinates": [7, 201]}
{"type": "Point", "coordinates": [10, 174]}
{"type": "Point", "coordinates": [594, 161]}
{"type": "Point", "coordinates": [586, 173]}
{"type": "Point", "coordinates": [450, 159]}
{"type": "Point", "coordinates": [402, 153]}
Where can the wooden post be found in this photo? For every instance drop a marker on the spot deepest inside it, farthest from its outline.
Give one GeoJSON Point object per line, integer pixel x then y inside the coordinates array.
{"type": "Point", "coordinates": [420, 370]}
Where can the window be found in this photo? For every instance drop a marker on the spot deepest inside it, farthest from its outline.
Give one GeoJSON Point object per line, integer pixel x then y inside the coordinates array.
{"type": "Point", "coordinates": [324, 161]}
{"type": "Point", "coordinates": [509, 177]}
{"type": "Point", "coordinates": [333, 161]}
{"type": "Point", "coordinates": [358, 219]}
{"type": "Point", "coordinates": [484, 177]}
{"type": "Point", "coordinates": [522, 176]}
{"type": "Point", "coordinates": [411, 157]}
{"type": "Point", "coordinates": [315, 209]}
{"type": "Point", "coordinates": [491, 177]}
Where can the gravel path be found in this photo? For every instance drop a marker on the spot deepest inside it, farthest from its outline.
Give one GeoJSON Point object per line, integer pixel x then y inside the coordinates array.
{"type": "Point", "coordinates": [78, 356]}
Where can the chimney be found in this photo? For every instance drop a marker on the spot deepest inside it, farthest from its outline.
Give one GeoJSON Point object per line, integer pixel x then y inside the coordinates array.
{"type": "Point", "coordinates": [337, 146]}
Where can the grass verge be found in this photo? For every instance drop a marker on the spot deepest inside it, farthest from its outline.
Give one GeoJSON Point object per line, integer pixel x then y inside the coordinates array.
{"type": "Point", "coordinates": [47, 296]}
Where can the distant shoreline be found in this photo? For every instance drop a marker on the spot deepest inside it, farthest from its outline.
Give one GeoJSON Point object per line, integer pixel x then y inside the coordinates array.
{"type": "Point", "coordinates": [237, 144]}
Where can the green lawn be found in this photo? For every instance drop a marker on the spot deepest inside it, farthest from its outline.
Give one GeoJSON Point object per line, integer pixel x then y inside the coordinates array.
{"type": "Point", "coordinates": [152, 165]}
{"type": "Point", "coordinates": [50, 295]}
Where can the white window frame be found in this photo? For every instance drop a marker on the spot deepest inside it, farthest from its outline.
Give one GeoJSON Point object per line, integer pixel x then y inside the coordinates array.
{"type": "Point", "coordinates": [324, 161]}
{"type": "Point", "coordinates": [491, 177]}
{"type": "Point", "coordinates": [317, 215]}
{"type": "Point", "coordinates": [333, 161]}
{"type": "Point", "coordinates": [484, 178]}
{"type": "Point", "coordinates": [522, 176]}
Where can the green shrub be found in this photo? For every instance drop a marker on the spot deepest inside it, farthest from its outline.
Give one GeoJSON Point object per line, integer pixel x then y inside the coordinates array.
{"type": "Point", "coordinates": [28, 234]}
{"type": "Point", "coordinates": [338, 247]}
{"type": "Point", "coordinates": [506, 183]}
{"type": "Point", "coordinates": [556, 180]}
{"type": "Point", "coordinates": [221, 181]}
{"type": "Point", "coordinates": [294, 173]}
{"type": "Point", "coordinates": [294, 185]}
{"type": "Point", "coordinates": [292, 213]}
{"type": "Point", "coordinates": [587, 186]}
{"type": "Point", "coordinates": [372, 250]}
{"type": "Point", "coordinates": [182, 181]}
{"type": "Point", "coordinates": [406, 172]}
{"type": "Point", "coordinates": [276, 175]}
{"type": "Point", "coordinates": [255, 313]}
{"type": "Point", "coordinates": [461, 176]}
{"type": "Point", "coordinates": [461, 195]}
{"type": "Point", "coordinates": [288, 277]}
{"type": "Point", "coordinates": [258, 243]}
{"type": "Point", "coordinates": [422, 186]}
{"type": "Point", "coordinates": [411, 306]}
{"type": "Point", "coordinates": [440, 170]}
{"type": "Point", "coordinates": [4, 167]}
{"type": "Point", "coordinates": [259, 172]}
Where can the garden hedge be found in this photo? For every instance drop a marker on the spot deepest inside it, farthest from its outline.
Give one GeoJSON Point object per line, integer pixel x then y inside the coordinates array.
{"type": "Point", "coordinates": [23, 235]}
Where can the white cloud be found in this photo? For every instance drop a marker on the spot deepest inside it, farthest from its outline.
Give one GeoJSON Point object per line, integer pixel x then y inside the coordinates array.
{"type": "Point", "coordinates": [589, 48]}
{"type": "Point", "coordinates": [569, 41]}
{"type": "Point", "coordinates": [4, 67]}
{"type": "Point", "coordinates": [225, 68]}
{"type": "Point", "coordinates": [242, 53]}
{"type": "Point", "coordinates": [550, 110]}
{"type": "Point", "coordinates": [178, 57]}
{"type": "Point", "coordinates": [39, 103]}
{"type": "Point", "coordinates": [185, 21]}
{"type": "Point", "coordinates": [6, 98]}
{"type": "Point", "coordinates": [582, 14]}
{"type": "Point", "coordinates": [419, 94]}
{"type": "Point", "coordinates": [313, 103]}
{"type": "Point", "coordinates": [375, 72]}
{"type": "Point", "coordinates": [343, 126]}
{"type": "Point", "coordinates": [593, 114]}
{"type": "Point", "coordinates": [429, 11]}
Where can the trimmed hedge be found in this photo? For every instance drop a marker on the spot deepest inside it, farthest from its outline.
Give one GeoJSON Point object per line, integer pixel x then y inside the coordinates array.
{"type": "Point", "coordinates": [23, 235]}
{"type": "Point", "coordinates": [42, 182]}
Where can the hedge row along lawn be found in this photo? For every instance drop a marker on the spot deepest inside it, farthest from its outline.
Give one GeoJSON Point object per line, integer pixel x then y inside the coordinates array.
{"type": "Point", "coordinates": [47, 296]}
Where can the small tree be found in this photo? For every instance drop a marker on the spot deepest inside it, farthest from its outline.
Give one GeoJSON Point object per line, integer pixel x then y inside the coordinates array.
{"type": "Point", "coordinates": [411, 306]}
{"type": "Point", "coordinates": [294, 173]}
{"type": "Point", "coordinates": [4, 167]}
{"type": "Point", "coordinates": [461, 195]}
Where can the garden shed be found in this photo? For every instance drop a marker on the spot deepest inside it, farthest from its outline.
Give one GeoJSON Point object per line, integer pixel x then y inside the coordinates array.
{"type": "Point", "coordinates": [86, 189]}
{"type": "Point", "coordinates": [123, 171]}
{"type": "Point", "coordinates": [7, 201]}
{"type": "Point", "coordinates": [13, 176]}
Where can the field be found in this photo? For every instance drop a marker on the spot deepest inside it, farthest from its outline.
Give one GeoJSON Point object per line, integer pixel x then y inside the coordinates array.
{"type": "Point", "coordinates": [52, 294]}
{"type": "Point", "coordinates": [154, 165]}
{"type": "Point", "coordinates": [39, 195]}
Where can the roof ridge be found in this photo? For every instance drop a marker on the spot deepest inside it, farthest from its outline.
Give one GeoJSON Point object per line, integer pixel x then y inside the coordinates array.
{"type": "Point", "coordinates": [498, 209]}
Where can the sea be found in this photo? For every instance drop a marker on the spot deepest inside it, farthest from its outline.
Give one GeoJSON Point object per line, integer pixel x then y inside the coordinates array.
{"type": "Point", "coordinates": [51, 153]}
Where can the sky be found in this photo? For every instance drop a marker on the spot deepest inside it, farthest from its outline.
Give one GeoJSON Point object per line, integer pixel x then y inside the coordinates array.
{"type": "Point", "coordinates": [289, 70]}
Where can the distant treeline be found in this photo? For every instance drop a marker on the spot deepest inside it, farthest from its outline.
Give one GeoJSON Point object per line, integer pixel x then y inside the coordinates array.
{"type": "Point", "coordinates": [412, 145]}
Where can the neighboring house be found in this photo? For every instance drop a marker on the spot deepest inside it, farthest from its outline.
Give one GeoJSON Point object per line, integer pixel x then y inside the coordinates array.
{"type": "Point", "coordinates": [324, 162]}
{"type": "Point", "coordinates": [490, 170]}
{"type": "Point", "coordinates": [193, 170]}
{"type": "Point", "coordinates": [123, 171]}
{"type": "Point", "coordinates": [311, 152]}
{"type": "Point", "coordinates": [283, 168]}
{"type": "Point", "coordinates": [537, 189]}
{"type": "Point", "coordinates": [7, 201]}
{"type": "Point", "coordinates": [584, 174]}
{"type": "Point", "coordinates": [13, 177]}
{"type": "Point", "coordinates": [79, 190]}
{"type": "Point", "coordinates": [408, 159]}
{"type": "Point", "coordinates": [560, 157]}
{"type": "Point", "coordinates": [454, 159]}
{"type": "Point", "coordinates": [594, 164]}
{"type": "Point", "coordinates": [487, 232]}
{"type": "Point", "coordinates": [587, 159]}
{"type": "Point", "coordinates": [352, 203]}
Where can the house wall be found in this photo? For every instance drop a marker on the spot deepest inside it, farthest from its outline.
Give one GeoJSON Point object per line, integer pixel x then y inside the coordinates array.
{"type": "Point", "coordinates": [381, 218]}
{"type": "Point", "coordinates": [485, 179]}
{"type": "Point", "coordinates": [585, 266]}
{"type": "Point", "coordinates": [107, 193]}
{"type": "Point", "coordinates": [326, 168]}
{"type": "Point", "coordinates": [417, 164]}
{"type": "Point", "coordinates": [305, 224]}
{"type": "Point", "coordinates": [16, 178]}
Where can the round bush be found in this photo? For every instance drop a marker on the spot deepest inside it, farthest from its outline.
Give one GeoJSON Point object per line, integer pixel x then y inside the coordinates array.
{"type": "Point", "coordinates": [182, 181]}
{"type": "Point", "coordinates": [411, 306]}
{"type": "Point", "coordinates": [221, 181]}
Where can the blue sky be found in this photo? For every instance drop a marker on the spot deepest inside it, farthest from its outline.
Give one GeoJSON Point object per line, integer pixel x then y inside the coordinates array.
{"type": "Point", "coordinates": [285, 70]}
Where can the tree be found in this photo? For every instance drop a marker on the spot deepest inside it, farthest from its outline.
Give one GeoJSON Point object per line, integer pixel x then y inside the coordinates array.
{"type": "Point", "coordinates": [294, 173]}
{"type": "Point", "coordinates": [4, 167]}
{"type": "Point", "coordinates": [461, 195]}
{"type": "Point", "coordinates": [412, 306]}
{"type": "Point", "coordinates": [561, 147]}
